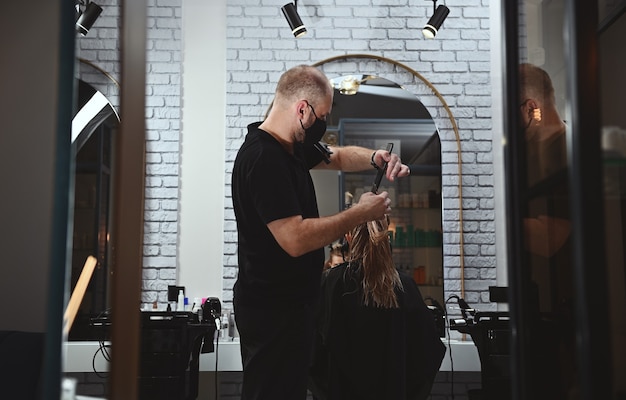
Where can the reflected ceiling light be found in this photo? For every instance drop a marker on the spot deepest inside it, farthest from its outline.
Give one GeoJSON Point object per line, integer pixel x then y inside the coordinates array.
{"type": "Point", "coordinates": [290, 11]}
{"type": "Point", "coordinates": [350, 85]}
{"type": "Point", "coordinates": [434, 23]}
{"type": "Point", "coordinates": [87, 18]}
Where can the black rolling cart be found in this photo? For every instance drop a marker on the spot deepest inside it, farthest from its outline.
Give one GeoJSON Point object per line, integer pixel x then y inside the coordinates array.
{"type": "Point", "coordinates": [171, 344]}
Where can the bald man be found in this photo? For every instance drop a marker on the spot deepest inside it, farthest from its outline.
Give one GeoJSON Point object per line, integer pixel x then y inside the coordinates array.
{"type": "Point", "coordinates": [281, 235]}
{"type": "Point", "coordinates": [544, 131]}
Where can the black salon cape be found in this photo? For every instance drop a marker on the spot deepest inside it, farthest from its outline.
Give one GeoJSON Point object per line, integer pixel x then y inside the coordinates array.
{"type": "Point", "coordinates": [363, 353]}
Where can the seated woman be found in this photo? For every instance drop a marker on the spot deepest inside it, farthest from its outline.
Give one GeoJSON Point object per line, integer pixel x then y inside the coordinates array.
{"type": "Point", "coordinates": [375, 337]}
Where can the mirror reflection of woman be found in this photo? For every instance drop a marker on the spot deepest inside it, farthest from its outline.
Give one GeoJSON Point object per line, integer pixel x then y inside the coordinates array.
{"type": "Point", "coordinates": [338, 253]}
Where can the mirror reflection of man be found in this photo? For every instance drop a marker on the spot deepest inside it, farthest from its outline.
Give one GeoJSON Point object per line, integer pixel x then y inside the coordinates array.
{"type": "Point", "coordinates": [547, 231]}
{"type": "Point", "coordinates": [544, 131]}
{"type": "Point", "coordinates": [281, 236]}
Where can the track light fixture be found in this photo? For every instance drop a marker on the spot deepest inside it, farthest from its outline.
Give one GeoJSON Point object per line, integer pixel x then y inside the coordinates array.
{"type": "Point", "coordinates": [86, 19]}
{"type": "Point", "coordinates": [434, 23]}
{"type": "Point", "coordinates": [290, 11]}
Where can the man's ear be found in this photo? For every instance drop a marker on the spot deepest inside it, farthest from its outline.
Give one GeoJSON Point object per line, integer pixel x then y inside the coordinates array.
{"type": "Point", "coordinates": [300, 106]}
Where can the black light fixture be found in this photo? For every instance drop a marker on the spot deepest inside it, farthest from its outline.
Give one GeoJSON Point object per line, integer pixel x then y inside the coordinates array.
{"type": "Point", "coordinates": [434, 23]}
{"type": "Point", "coordinates": [87, 18]}
{"type": "Point", "coordinates": [290, 11]}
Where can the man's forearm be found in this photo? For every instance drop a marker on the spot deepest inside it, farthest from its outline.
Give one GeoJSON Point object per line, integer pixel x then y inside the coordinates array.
{"type": "Point", "coordinates": [298, 236]}
{"type": "Point", "coordinates": [350, 159]}
{"type": "Point", "coordinates": [324, 230]}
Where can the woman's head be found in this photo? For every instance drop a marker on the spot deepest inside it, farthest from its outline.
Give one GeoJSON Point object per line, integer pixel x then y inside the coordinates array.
{"type": "Point", "coordinates": [338, 254]}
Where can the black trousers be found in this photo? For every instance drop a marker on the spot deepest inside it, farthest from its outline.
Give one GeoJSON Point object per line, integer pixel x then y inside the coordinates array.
{"type": "Point", "coordinates": [275, 350]}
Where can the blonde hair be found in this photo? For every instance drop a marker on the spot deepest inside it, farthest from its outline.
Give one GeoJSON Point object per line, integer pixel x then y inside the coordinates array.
{"type": "Point", "coordinates": [371, 251]}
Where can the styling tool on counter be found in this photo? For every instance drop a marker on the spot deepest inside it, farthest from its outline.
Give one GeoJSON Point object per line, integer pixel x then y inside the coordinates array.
{"type": "Point", "coordinates": [212, 309]}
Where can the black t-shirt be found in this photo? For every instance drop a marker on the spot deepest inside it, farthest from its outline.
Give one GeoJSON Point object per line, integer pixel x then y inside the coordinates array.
{"type": "Point", "coordinates": [269, 184]}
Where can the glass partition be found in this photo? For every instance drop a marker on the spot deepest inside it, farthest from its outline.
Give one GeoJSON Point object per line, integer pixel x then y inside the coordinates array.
{"type": "Point", "coordinates": [562, 345]}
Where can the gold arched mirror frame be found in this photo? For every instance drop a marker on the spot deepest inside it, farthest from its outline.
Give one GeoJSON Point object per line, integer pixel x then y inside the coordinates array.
{"type": "Point", "coordinates": [342, 66]}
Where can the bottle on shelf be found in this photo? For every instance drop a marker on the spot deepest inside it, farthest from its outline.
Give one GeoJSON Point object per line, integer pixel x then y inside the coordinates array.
{"type": "Point", "coordinates": [180, 304]}
{"type": "Point", "coordinates": [419, 275]}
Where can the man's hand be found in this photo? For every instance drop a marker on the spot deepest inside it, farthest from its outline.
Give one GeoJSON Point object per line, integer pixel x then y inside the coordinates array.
{"type": "Point", "coordinates": [374, 206]}
{"type": "Point", "coordinates": [395, 168]}
{"type": "Point", "coordinates": [356, 158]}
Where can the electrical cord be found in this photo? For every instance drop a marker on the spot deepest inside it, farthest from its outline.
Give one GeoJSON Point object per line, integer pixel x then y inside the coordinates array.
{"type": "Point", "coordinates": [447, 327]}
{"type": "Point", "coordinates": [104, 349]}
{"type": "Point", "coordinates": [468, 314]}
{"type": "Point", "coordinates": [212, 309]}
{"type": "Point", "coordinates": [216, 339]}
{"type": "Point", "coordinates": [446, 332]}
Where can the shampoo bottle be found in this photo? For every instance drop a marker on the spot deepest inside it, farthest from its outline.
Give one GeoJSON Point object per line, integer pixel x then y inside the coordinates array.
{"type": "Point", "coordinates": [180, 305]}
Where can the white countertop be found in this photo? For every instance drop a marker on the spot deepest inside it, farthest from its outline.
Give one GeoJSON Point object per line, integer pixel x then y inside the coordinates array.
{"type": "Point", "coordinates": [82, 357]}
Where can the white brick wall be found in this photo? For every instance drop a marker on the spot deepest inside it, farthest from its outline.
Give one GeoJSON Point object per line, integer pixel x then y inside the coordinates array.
{"type": "Point", "coordinates": [457, 62]}
{"type": "Point", "coordinates": [101, 47]}
{"type": "Point", "coordinates": [259, 48]}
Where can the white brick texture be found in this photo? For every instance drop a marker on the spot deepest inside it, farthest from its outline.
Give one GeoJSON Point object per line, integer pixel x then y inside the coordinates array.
{"type": "Point", "coordinates": [456, 63]}
{"type": "Point", "coordinates": [260, 47]}
{"type": "Point", "coordinates": [101, 47]}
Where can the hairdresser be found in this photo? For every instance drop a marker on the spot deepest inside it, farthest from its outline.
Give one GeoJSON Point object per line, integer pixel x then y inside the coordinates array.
{"type": "Point", "coordinates": [281, 237]}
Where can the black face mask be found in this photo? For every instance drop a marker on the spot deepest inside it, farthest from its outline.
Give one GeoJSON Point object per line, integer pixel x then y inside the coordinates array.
{"type": "Point", "coordinates": [313, 136]}
{"type": "Point", "coordinates": [314, 133]}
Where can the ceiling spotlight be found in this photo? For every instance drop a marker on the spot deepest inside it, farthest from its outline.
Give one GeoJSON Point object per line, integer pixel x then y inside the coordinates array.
{"type": "Point", "coordinates": [87, 18]}
{"type": "Point", "coordinates": [290, 12]}
{"type": "Point", "coordinates": [434, 23]}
